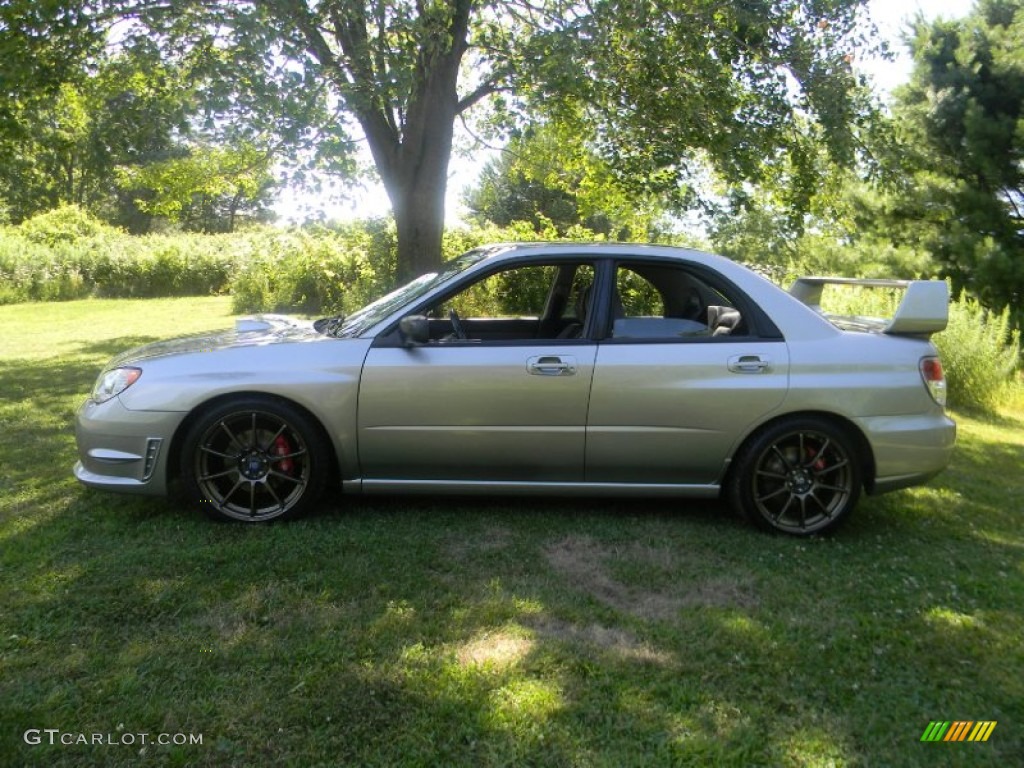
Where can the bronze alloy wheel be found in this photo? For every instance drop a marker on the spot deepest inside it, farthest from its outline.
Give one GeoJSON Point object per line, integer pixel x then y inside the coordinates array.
{"type": "Point", "coordinates": [253, 460]}
{"type": "Point", "coordinates": [799, 476]}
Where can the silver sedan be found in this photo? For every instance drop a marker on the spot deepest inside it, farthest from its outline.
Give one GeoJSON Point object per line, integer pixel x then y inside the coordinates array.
{"type": "Point", "coordinates": [541, 369]}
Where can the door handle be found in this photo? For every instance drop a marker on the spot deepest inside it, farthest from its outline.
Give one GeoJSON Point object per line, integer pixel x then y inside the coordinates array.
{"type": "Point", "coordinates": [551, 365]}
{"type": "Point", "coordinates": [749, 364]}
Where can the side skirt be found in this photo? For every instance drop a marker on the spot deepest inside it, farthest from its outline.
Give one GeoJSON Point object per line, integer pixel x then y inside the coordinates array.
{"type": "Point", "coordinates": [481, 488]}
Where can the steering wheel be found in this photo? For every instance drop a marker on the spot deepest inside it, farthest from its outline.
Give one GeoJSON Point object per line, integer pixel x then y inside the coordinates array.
{"type": "Point", "coordinates": [460, 332]}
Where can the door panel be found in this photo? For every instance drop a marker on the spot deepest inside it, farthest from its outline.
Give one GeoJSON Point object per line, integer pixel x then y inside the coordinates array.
{"type": "Point", "coordinates": [469, 411]}
{"type": "Point", "coordinates": [670, 413]}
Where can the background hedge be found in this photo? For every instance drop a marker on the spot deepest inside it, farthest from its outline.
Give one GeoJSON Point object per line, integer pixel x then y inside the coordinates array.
{"type": "Point", "coordinates": [65, 255]}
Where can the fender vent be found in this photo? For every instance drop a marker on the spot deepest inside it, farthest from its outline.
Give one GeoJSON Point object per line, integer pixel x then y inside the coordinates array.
{"type": "Point", "coordinates": [152, 452]}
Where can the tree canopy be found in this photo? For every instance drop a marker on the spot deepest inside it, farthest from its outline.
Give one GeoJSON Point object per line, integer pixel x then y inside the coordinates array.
{"type": "Point", "coordinates": [547, 174]}
{"type": "Point", "coordinates": [962, 117]}
{"type": "Point", "coordinates": [664, 87]}
{"type": "Point", "coordinates": [113, 131]}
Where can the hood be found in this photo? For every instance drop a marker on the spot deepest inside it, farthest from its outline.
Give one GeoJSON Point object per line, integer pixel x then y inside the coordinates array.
{"type": "Point", "coordinates": [248, 332]}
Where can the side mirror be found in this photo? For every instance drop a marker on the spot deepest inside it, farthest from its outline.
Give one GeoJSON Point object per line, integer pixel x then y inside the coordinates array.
{"type": "Point", "coordinates": [415, 330]}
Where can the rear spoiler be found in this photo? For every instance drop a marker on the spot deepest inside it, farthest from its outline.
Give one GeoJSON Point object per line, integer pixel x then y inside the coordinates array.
{"type": "Point", "coordinates": [923, 310]}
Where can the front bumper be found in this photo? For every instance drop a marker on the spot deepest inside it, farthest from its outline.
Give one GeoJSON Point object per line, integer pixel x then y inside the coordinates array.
{"type": "Point", "coordinates": [122, 450]}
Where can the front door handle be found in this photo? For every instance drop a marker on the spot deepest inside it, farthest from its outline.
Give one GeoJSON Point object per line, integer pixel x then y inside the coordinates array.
{"type": "Point", "coordinates": [551, 365]}
{"type": "Point", "coordinates": [749, 364]}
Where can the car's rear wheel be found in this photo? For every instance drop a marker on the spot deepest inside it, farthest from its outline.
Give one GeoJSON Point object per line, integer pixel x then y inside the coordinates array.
{"type": "Point", "coordinates": [799, 476]}
{"type": "Point", "coordinates": [254, 459]}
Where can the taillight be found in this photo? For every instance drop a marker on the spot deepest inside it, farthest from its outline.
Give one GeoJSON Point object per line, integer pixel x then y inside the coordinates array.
{"type": "Point", "coordinates": [934, 379]}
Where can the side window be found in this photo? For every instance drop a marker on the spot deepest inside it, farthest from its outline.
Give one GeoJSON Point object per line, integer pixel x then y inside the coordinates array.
{"type": "Point", "coordinates": [579, 293]}
{"type": "Point", "coordinates": [535, 301]}
{"type": "Point", "coordinates": [514, 293]}
{"type": "Point", "coordinates": [637, 296]}
{"type": "Point", "coordinates": [667, 302]}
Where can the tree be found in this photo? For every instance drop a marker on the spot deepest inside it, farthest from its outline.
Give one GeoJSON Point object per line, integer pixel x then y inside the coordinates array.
{"type": "Point", "coordinates": [745, 87]}
{"type": "Point", "coordinates": [207, 189]}
{"type": "Point", "coordinates": [663, 84]}
{"type": "Point", "coordinates": [396, 66]}
{"type": "Point", "coordinates": [42, 47]}
{"type": "Point", "coordinates": [117, 111]}
{"type": "Point", "coordinates": [548, 173]}
{"type": "Point", "coordinates": [121, 137]}
{"type": "Point", "coordinates": [962, 117]}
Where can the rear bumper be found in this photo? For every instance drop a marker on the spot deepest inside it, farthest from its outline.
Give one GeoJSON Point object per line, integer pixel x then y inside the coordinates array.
{"type": "Point", "coordinates": [121, 450]}
{"type": "Point", "coordinates": [908, 450]}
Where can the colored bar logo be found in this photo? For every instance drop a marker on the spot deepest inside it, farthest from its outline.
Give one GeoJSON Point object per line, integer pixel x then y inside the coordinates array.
{"type": "Point", "coordinates": [958, 730]}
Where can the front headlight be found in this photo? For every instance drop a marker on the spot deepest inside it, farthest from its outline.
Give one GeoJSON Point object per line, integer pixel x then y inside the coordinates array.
{"type": "Point", "coordinates": [113, 383]}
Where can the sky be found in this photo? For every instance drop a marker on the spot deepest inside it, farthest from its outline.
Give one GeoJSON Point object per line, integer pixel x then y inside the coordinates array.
{"type": "Point", "coordinates": [889, 15]}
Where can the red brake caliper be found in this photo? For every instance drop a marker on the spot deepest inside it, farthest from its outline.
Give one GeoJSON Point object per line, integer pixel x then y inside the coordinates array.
{"type": "Point", "coordinates": [283, 448]}
{"type": "Point", "coordinates": [819, 464]}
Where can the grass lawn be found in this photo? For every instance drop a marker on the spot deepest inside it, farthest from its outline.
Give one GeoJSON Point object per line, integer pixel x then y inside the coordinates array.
{"type": "Point", "coordinates": [487, 632]}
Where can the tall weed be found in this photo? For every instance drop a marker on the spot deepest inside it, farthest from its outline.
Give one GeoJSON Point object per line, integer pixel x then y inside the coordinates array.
{"type": "Point", "coordinates": [980, 353]}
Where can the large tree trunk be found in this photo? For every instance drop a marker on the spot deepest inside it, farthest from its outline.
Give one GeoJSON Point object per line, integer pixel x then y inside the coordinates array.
{"type": "Point", "coordinates": [415, 175]}
{"type": "Point", "coordinates": [414, 163]}
{"type": "Point", "coordinates": [418, 208]}
{"type": "Point", "coordinates": [409, 133]}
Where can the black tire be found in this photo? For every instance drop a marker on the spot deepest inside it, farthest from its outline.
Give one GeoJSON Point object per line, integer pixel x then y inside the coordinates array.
{"type": "Point", "coordinates": [254, 459]}
{"type": "Point", "coordinates": [799, 476]}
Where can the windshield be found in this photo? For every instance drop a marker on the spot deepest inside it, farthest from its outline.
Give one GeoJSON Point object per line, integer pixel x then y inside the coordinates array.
{"type": "Point", "coordinates": [360, 321]}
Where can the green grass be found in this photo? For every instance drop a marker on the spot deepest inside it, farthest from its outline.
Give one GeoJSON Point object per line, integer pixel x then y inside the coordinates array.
{"type": "Point", "coordinates": [488, 632]}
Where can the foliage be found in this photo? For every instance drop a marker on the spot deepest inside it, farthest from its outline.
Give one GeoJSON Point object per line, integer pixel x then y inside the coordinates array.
{"type": "Point", "coordinates": [65, 254]}
{"type": "Point", "coordinates": [549, 173]}
{"type": "Point", "coordinates": [669, 88]}
{"type": "Point", "coordinates": [123, 132]}
{"type": "Point", "coordinates": [42, 46]}
{"type": "Point", "coordinates": [940, 192]}
{"type": "Point", "coordinates": [980, 354]}
{"type": "Point", "coordinates": [341, 268]}
{"type": "Point", "coordinates": [962, 194]}
{"type": "Point", "coordinates": [207, 189]}
{"type": "Point", "coordinates": [488, 632]}
{"type": "Point", "coordinates": [124, 110]}
{"type": "Point", "coordinates": [659, 88]}
{"type": "Point", "coordinates": [65, 224]}
{"type": "Point", "coordinates": [315, 271]}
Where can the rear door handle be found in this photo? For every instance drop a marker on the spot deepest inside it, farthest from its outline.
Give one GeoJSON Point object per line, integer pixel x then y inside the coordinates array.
{"type": "Point", "coordinates": [749, 364]}
{"type": "Point", "coordinates": [551, 365]}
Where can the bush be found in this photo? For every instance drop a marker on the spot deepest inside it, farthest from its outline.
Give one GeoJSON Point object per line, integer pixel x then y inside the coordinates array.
{"type": "Point", "coordinates": [112, 265]}
{"type": "Point", "coordinates": [341, 268]}
{"type": "Point", "coordinates": [320, 270]}
{"type": "Point", "coordinates": [980, 353]}
{"type": "Point", "coordinates": [65, 224]}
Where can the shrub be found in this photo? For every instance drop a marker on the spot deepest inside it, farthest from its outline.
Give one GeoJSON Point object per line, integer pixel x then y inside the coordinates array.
{"type": "Point", "coordinates": [310, 271]}
{"type": "Point", "coordinates": [65, 224]}
{"type": "Point", "coordinates": [342, 267]}
{"type": "Point", "coordinates": [980, 353]}
{"type": "Point", "coordinates": [111, 264]}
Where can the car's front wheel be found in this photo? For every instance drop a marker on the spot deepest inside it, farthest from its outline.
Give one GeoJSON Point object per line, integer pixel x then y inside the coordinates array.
{"type": "Point", "coordinates": [254, 459]}
{"type": "Point", "coordinates": [799, 476]}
